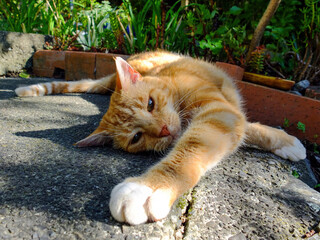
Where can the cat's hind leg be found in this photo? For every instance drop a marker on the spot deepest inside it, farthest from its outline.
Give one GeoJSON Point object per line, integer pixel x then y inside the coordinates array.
{"type": "Point", "coordinates": [100, 86]}
{"type": "Point", "coordinates": [276, 141]}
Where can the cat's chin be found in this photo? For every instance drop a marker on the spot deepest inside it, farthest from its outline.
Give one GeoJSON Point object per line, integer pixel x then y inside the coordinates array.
{"type": "Point", "coordinates": [175, 132]}
{"type": "Point", "coordinates": [174, 138]}
{"type": "Point", "coordinates": [170, 142]}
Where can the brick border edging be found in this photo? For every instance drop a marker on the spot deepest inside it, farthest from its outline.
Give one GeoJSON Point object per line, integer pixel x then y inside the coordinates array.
{"type": "Point", "coordinates": [76, 65]}
{"type": "Point", "coordinates": [270, 106]}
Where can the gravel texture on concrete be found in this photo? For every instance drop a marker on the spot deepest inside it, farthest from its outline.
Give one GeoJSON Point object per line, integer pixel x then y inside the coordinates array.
{"type": "Point", "coordinates": [52, 190]}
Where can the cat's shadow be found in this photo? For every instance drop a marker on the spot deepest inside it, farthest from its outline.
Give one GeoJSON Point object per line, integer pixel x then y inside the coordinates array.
{"type": "Point", "coordinates": [65, 181]}
{"type": "Point", "coordinates": [68, 190]}
{"type": "Point", "coordinates": [78, 178]}
{"type": "Point", "coordinates": [70, 135]}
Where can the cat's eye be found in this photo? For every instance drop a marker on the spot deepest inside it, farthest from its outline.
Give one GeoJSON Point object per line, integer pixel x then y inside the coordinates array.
{"type": "Point", "coordinates": [150, 104]}
{"type": "Point", "coordinates": [136, 138]}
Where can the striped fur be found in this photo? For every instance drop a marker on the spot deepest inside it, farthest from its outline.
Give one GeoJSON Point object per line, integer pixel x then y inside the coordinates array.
{"type": "Point", "coordinates": [196, 109]}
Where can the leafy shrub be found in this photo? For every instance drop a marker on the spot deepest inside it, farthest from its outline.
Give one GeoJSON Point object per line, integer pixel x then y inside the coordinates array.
{"type": "Point", "coordinates": [21, 16]}
{"type": "Point", "coordinates": [95, 26]}
{"type": "Point", "coordinates": [228, 40]}
{"type": "Point", "coordinates": [215, 30]}
{"type": "Point", "coordinates": [256, 62]}
{"type": "Point", "coordinates": [306, 45]}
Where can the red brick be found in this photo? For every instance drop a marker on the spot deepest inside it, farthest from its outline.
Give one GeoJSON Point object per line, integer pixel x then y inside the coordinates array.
{"type": "Point", "coordinates": [46, 61]}
{"type": "Point", "coordinates": [80, 65]}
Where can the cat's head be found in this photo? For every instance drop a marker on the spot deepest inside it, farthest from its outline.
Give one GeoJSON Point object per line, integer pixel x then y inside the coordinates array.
{"type": "Point", "coordinates": [142, 114]}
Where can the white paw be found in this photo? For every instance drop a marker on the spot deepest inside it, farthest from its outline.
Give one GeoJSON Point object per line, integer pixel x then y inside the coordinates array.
{"type": "Point", "coordinates": [294, 152]}
{"type": "Point", "coordinates": [135, 203]}
{"type": "Point", "coordinates": [25, 91]}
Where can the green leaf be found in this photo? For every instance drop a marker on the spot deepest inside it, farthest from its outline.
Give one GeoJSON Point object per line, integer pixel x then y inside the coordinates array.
{"type": "Point", "coordinates": [295, 174]}
{"type": "Point", "coordinates": [301, 127]}
{"type": "Point", "coordinates": [24, 75]}
{"type": "Point", "coordinates": [215, 45]}
{"type": "Point", "coordinates": [317, 186]}
{"type": "Point", "coordinates": [286, 123]}
{"type": "Point", "coordinates": [234, 10]}
{"type": "Point", "coordinates": [271, 47]}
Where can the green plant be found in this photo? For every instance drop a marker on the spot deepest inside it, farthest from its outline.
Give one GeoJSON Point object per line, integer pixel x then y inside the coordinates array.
{"type": "Point", "coordinates": [137, 34]}
{"type": "Point", "coordinates": [315, 148]}
{"type": "Point", "coordinates": [301, 127]}
{"type": "Point", "coordinates": [278, 38]}
{"type": "Point", "coordinates": [234, 44]}
{"type": "Point", "coordinates": [62, 23]}
{"type": "Point", "coordinates": [162, 29]}
{"type": "Point", "coordinates": [24, 75]}
{"type": "Point", "coordinates": [228, 40]}
{"type": "Point", "coordinates": [295, 174]}
{"type": "Point", "coordinates": [89, 39]}
{"type": "Point", "coordinates": [93, 36]}
{"type": "Point", "coordinates": [196, 22]}
{"type": "Point", "coordinates": [175, 38]}
{"type": "Point", "coordinates": [286, 123]}
{"type": "Point", "coordinates": [97, 11]}
{"type": "Point", "coordinates": [307, 48]}
{"type": "Point", "coordinates": [21, 16]}
{"type": "Point", "coordinates": [214, 44]}
{"type": "Point", "coordinates": [256, 61]}
{"type": "Point", "coordinates": [113, 36]}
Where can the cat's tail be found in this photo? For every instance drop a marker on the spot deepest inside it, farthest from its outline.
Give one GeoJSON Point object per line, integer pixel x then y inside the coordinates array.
{"type": "Point", "coordinates": [101, 86]}
{"type": "Point", "coordinates": [276, 141]}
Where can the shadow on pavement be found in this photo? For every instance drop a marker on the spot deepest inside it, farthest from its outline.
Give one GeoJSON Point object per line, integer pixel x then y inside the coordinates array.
{"type": "Point", "coordinates": [70, 184]}
{"type": "Point", "coordinates": [42, 171]}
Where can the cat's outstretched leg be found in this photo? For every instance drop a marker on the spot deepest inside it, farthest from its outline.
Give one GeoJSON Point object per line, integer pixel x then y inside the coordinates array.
{"type": "Point", "coordinates": [100, 86]}
{"type": "Point", "coordinates": [276, 141]}
{"type": "Point", "coordinates": [214, 133]}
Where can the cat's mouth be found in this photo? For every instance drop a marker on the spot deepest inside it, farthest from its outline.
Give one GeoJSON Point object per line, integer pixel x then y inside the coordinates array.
{"type": "Point", "coordinates": [174, 134]}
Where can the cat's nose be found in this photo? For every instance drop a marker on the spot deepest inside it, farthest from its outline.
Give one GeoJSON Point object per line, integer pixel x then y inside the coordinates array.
{"type": "Point", "coordinates": [164, 131]}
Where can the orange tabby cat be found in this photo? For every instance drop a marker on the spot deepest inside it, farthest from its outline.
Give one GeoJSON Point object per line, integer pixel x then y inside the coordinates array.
{"type": "Point", "coordinates": [162, 99]}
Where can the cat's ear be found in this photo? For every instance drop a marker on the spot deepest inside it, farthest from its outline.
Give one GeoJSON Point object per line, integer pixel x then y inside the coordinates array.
{"type": "Point", "coordinates": [95, 139]}
{"type": "Point", "coordinates": [126, 75]}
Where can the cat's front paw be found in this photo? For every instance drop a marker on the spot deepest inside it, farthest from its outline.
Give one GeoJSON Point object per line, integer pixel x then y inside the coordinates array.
{"type": "Point", "coordinates": [295, 152]}
{"type": "Point", "coordinates": [135, 203]}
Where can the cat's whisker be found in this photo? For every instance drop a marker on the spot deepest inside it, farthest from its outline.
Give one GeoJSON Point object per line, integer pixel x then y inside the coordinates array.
{"type": "Point", "coordinates": [183, 113]}
{"type": "Point", "coordinates": [161, 151]}
{"type": "Point", "coordinates": [185, 96]}
{"type": "Point", "coordinates": [109, 89]}
{"type": "Point", "coordinates": [112, 131]}
{"type": "Point", "coordinates": [192, 103]}
{"type": "Point", "coordinates": [180, 101]}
